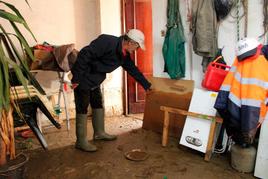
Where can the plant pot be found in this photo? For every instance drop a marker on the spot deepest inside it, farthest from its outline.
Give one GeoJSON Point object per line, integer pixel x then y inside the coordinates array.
{"type": "Point", "coordinates": [14, 169]}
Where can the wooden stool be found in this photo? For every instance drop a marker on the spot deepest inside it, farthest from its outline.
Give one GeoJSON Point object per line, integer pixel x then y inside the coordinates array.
{"type": "Point", "coordinates": [213, 119]}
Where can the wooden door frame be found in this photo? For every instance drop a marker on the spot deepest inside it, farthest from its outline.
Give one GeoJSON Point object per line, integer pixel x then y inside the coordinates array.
{"type": "Point", "coordinates": [125, 82]}
{"type": "Point", "coordinates": [125, 79]}
{"type": "Point", "coordinates": [123, 30]}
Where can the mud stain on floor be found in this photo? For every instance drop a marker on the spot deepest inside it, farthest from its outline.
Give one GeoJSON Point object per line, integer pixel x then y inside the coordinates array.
{"type": "Point", "coordinates": [109, 162]}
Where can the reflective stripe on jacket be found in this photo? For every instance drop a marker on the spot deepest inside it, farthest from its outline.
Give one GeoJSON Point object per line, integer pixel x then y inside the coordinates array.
{"type": "Point", "coordinates": [244, 92]}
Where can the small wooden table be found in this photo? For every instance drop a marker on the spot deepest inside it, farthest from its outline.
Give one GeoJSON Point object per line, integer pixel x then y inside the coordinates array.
{"type": "Point", "coordinates": [213, 119]}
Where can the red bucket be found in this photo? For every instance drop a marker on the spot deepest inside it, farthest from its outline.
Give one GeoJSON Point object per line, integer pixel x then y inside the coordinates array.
{"type": "Point", "coordinates": [215, 75]}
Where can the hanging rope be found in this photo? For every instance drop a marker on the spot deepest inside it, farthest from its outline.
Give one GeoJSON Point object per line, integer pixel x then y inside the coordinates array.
{"type": "Point", "coordinates": [237, 20]}
{"type": "Point", "coordinates": [189, 20]}
{"type": "Point", "coordinates": [265, 18]}
{"type": "Point", "coordinates": [245, 7]}
{"type": "Point", "coordinates": [238, 17]}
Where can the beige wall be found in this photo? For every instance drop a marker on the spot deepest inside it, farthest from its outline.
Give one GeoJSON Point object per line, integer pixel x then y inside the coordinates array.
{"type": "Point", "coordinates": [74, 21]}
{"type": "Point", "coordinates": [112, 86]}
{"type": "Point", "coordinates": [87, 21]}
{"type": "Point", "coordinates": [61, 21]}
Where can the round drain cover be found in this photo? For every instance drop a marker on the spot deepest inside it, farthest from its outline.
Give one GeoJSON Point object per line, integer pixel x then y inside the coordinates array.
{"type": "Point", "coordinates": [136, 155]}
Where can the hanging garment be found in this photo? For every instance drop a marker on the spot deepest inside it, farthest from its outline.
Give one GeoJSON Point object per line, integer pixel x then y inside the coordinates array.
{"type": "Point", "coordinates": [223, 8]}
{"type": "Point", "coordinates": [60, 58]}
{"type": "Point", "coordinates": [173, 48]}
{"type": "Point", "coordinates": [65, 56]}
{"type": "Point", "coordinates": [204, 28]}
{"type": "Point", "coordinates": [243, 98]}
{"type": "Point", "coordinates": [207, 60]}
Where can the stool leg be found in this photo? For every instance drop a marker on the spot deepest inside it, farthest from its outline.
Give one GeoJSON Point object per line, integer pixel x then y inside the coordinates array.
{"type": "Point", "coordinates": [37, 132]}
{"type": "Point", "coordinates": [38, 120]}
{"type": "Point", "coordinates": [165, 129]}
{"type": "Point", "coordinates": [66, 110]}
{"type": "Point", "coordinates": [61, 91]}
{"type": "Point", "coordinates": [43, 108]}
{"type": "Point", "coordinates": [210, 140]}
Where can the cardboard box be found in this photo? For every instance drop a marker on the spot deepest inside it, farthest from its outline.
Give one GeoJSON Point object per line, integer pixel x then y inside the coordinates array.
{"type": "Point", "coordinates": [171, 93]}
{"type": "Point", "coordinates": [44, 60]}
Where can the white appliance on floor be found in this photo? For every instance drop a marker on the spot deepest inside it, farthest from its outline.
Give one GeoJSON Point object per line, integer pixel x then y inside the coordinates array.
{"type": "Point", "coordinates": [261, 166]}
{"type": "Point", "coordinates": [196, 131]}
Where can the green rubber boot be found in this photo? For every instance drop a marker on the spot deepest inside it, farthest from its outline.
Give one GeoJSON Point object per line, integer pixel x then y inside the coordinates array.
{"type": "Point", "coordinates": [81, 134]}
{"type": "Point", "coordinates": [98, 125]}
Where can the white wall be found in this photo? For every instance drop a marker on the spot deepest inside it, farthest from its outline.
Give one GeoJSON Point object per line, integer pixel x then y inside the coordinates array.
{"type": "Point", "coordinates": [62, 21]}
{"type": "Point", "coordinates": [80, 21]}
{"type": "Point", "coordinates": [59, 22]}
{"type": "Point", "coordinates": [75, 21]}
{"type": "Point", "coordinates": [228, 29]}
{"type": "Point", "coordinates": [159, 24]}
{"type": "Point", "coordinates": [226, 37]}
{"type": "Point", "coordinates": [113, 85]}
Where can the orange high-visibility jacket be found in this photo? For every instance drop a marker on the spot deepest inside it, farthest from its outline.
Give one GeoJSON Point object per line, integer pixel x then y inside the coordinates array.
{"type": "Point", "coordinates": [244, 92]}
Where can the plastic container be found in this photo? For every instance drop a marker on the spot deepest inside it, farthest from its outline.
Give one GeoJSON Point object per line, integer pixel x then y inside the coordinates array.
{"type": "Point", "coordinates": [214, 75]}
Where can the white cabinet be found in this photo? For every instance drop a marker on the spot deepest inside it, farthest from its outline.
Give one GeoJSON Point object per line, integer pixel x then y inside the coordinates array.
{"type": "Point", "coordinates": [261, 166]}
{"type": "Point", "coordinates": [196, 131]}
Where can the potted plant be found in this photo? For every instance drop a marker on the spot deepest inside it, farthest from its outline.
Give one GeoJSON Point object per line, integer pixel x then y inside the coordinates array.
{"type": "Point", "coordinates": [12, 58]}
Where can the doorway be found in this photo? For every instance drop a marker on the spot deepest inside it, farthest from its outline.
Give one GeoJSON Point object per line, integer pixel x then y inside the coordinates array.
{"type": "Point", "coordinates": [138, 14]}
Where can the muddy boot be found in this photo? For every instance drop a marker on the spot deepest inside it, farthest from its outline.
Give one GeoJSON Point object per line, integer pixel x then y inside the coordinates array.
{"type": "Point", "coordinates": [98, 125]}
{"type": "Point", "coordinates": [81, 134]}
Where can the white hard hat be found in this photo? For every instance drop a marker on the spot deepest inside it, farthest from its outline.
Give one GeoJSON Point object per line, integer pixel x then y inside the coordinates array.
{"type": "Point", "coordinates": [137, 36]}
{"type": "Point", "coordinates": [246, 47]}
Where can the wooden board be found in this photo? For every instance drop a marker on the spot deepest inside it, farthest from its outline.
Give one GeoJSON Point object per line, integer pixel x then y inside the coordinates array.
{"type": "Point", "coordinates": [171, 93]}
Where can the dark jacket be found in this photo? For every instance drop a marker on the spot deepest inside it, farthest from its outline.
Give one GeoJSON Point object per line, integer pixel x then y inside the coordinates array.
{"type": "Point", "coordinates": [103, 55]}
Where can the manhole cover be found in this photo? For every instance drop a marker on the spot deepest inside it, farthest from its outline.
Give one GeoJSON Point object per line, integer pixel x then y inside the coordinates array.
{"type": "Point", "coordinates": [136, 155]}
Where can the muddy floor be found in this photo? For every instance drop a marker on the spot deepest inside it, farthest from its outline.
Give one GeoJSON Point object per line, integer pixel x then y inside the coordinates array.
{"type": "Point", "coordinates": [62, 160]}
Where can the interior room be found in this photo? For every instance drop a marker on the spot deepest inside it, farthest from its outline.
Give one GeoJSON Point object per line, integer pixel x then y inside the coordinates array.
{"type": "Point", "coordinates": [133, 89]}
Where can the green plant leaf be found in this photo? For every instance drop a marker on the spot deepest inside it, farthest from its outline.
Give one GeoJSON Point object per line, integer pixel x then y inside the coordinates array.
{"type": "Point", "coordinates": [10, 17]}
{"type": "Point", "coordinates": [5, 86]}
{"type": "Point", "coordinates": [7, 47]}
{"type": "Point", "coordinates": [28, 3]}
{"type": "Point", "coordinates": [6, 90]}
{"type": "Point", "coordinates": [23, 41]}
{"type": "Point", "coordinates": [15, 66]}
{"type": "Point", "coordinates": [15, 50]}
{"type": "Point", "coordinates": [25, 68]}
{"type": "Point", "coordinates": [4, 82]}
{"type": "Point", "coordinates": [10, 56]}
{"type": "Point", "coordinates": [12, 45]}
{"type": "Point", "coordinates": [19, 73]}
{"type": "Point", "coordinates": [1, 86]}
{"type": "Point", "coordinates": [14, 9]}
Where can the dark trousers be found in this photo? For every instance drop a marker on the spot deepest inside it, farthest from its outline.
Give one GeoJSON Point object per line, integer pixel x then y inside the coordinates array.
{"type": "Point", "coordinates": [85, 97]}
